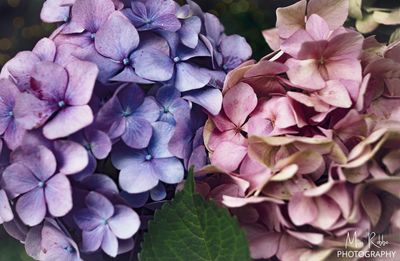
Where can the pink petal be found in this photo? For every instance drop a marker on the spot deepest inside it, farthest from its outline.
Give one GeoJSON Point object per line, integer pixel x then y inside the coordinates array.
{"type": "Point", "coordinates": [239, 102]}
{"type": "Point", "coordinates": [228, 156]}
{"type": "Point", "coordinates": [305, 73]}
{"type": "Point", "coordinates": [291, 18]}
{"type": "Point", "coordinates": [335, 94]}
{"type": "Point", "coordinates": [302, 210]}
{"type": "Point", "coordinates": [271, 36]}
{"type": "Point", "coordinates": [328, 213]}
{"type": "Point", "coordinates": [334, 12]}
{"type": "Point", "coordinates": [317, 27]}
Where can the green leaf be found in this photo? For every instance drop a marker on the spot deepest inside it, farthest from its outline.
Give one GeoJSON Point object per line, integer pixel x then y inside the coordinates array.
{"type": "Point", "coordinates": [190, 228]}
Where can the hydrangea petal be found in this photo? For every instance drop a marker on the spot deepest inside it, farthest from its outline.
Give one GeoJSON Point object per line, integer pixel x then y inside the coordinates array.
{"type": "Point", "coordinates": [58, 195]}
{"type": "Point", "coordinates": [124, 223]}
{"type": "Point", "coordinates": [31, 207]}
{"type": "Point", "coordinates": [68, 121]}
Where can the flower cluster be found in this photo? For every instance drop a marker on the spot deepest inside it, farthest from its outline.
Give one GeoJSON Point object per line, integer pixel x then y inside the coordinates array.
{"type": "Point", "coordinates": [306, 146]}
{"type": "Point", "coordinates": [105, 116]}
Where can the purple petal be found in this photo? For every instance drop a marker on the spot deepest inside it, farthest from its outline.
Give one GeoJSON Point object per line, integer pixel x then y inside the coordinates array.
{"type": "Point", "coordinates": [100, 143]}
{"type": "Point", "coordinates": [110, 243]}
{"type": "Point", "coordinates": [49, 82]}
{"type": "Point", "coordinates": [101, 183]}
{"type": "Point", "coordinates": [189, 31]}
{"type": "Point", "coordinates": [190, 77]}
{"type": "Point", "coordinates": [71, 156]}
{"type": "Point", "coordinates": [169, 170]}
{"type": "Point", "coordinates": [39, 159]}
{"type": "Point", "coordinates": [58, 195]}
{"type": "Point", "coordinates": [68, 121]}
{"type": "Point", "coordinates": [138, 178]}
{"type": "Point", "coordinates": [110, 118]}
{"type": "Point", "coordinates": [135, 200]}
{"type": "Point", "coordinates": [14, 135]}
{"type": "Point", "coordinates": [123, 156]}
{"type": "Point", "coordinates": [149, 110]}
{"type": "Point", "coordinates": [33, 242]}
{"type": "Point", "coordinates": [6, 213]}
{"type": "Point", "coordinates": [88, 170]}
{"type": "Point", "coordinates": [162, 133]}
{"type": "Point", "coordinates": [82, 77]}
{"type": "Point", "coordinates": [100, 205]}
{"type": "Point", "coordinates": [181, 142]}
{"type": "Point", "coordinates": [130, 97]}
{"type": "Point", "coordinates": [109, 42]}
{"type": "Point", "coordinates": [137, 133]}
{"type": "Point", "coordinates": [213, 26]}
{"type": "Point", "coordinates": [18, 179]}
{"type": "Point", "coordinates": [152, 64]}
{"type": "Point", "coordinates": [31, 207]}
{"type": "Point", "coordinates": [91, 240]}
{"type": "Point", "coordinates": [91, 14]}
{"type": "Point", "coordinates": [45, 49]}
{"type": "Point", "coordinates": [21, 68]}
{"type": "Point", "coordinates": [208, 98]}
{"type": "Point", "coordinates": [158, 192]}
{"type": "Point", "coordinates": [198, 158]}
{"type": "Point", "coordinates": [87, 220]}
{"type": "Point", "coordinates": [235, 50]}
{"type": "Point", "coordinates": [30, 112]}
{"type": "Point", "coordinates": [166, 95]}
{"type": "Point", "coordinates": [124, 223]}
{"type": "Point", "coordinates": [54, 11]}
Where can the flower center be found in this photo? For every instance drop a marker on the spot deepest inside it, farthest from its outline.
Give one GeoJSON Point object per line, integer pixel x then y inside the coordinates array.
{"type": "Point", "coordinates": [92, 36]}
{"type": "Point", "coordinates": [69, 249]}
{"type": "Point", "coordinates": [88, 147]}
{"type": "Point", "coordinates": [321, 61]}
{"type": "Point", "coordinates": [126, 113]}
{"type": "Point", "coordinates": [66, 19]}
{"type": "Point", "coordinates": [125, 61]}
{"type": "Point", "coordinates": [166, 110]}
{"type": "Point", "coordinates": [61, 104]}
{"type": "Point", "coordinates": [105, 222]}
{"type": "Point", "coordinates": [10, 113]}
{"type": "Point", "coordinates": [177, 59]}
{"type": "Point", "coordinates": [41, 184]}
{"type": "Point", "coordinates": [148, 157]}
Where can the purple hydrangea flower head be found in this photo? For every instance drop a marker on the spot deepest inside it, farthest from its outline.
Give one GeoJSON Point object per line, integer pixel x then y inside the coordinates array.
{"type": "Point", "coordinates": [172, 105]}
{"type": "Point", "coordinates": [64, 92]}
{"type": "Point", "coordinates": [98, 145]}
{"type": "Point", "coordinates": [154, 15]}
{"type": "Point", "coordinates": [32, 177]}
{"type": "Point", "coordinates": [6, 214]}
{"type": "Point", "coordinates": [129, 114]}
{"type": "Point", "coordinates": [141, 170]}
{"type": "Point", "coordinates": [120, 59]}
{"type": "Point", "coordinates": [103, 224]}
{"type": "Point", "coordinates": [56, 245]}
